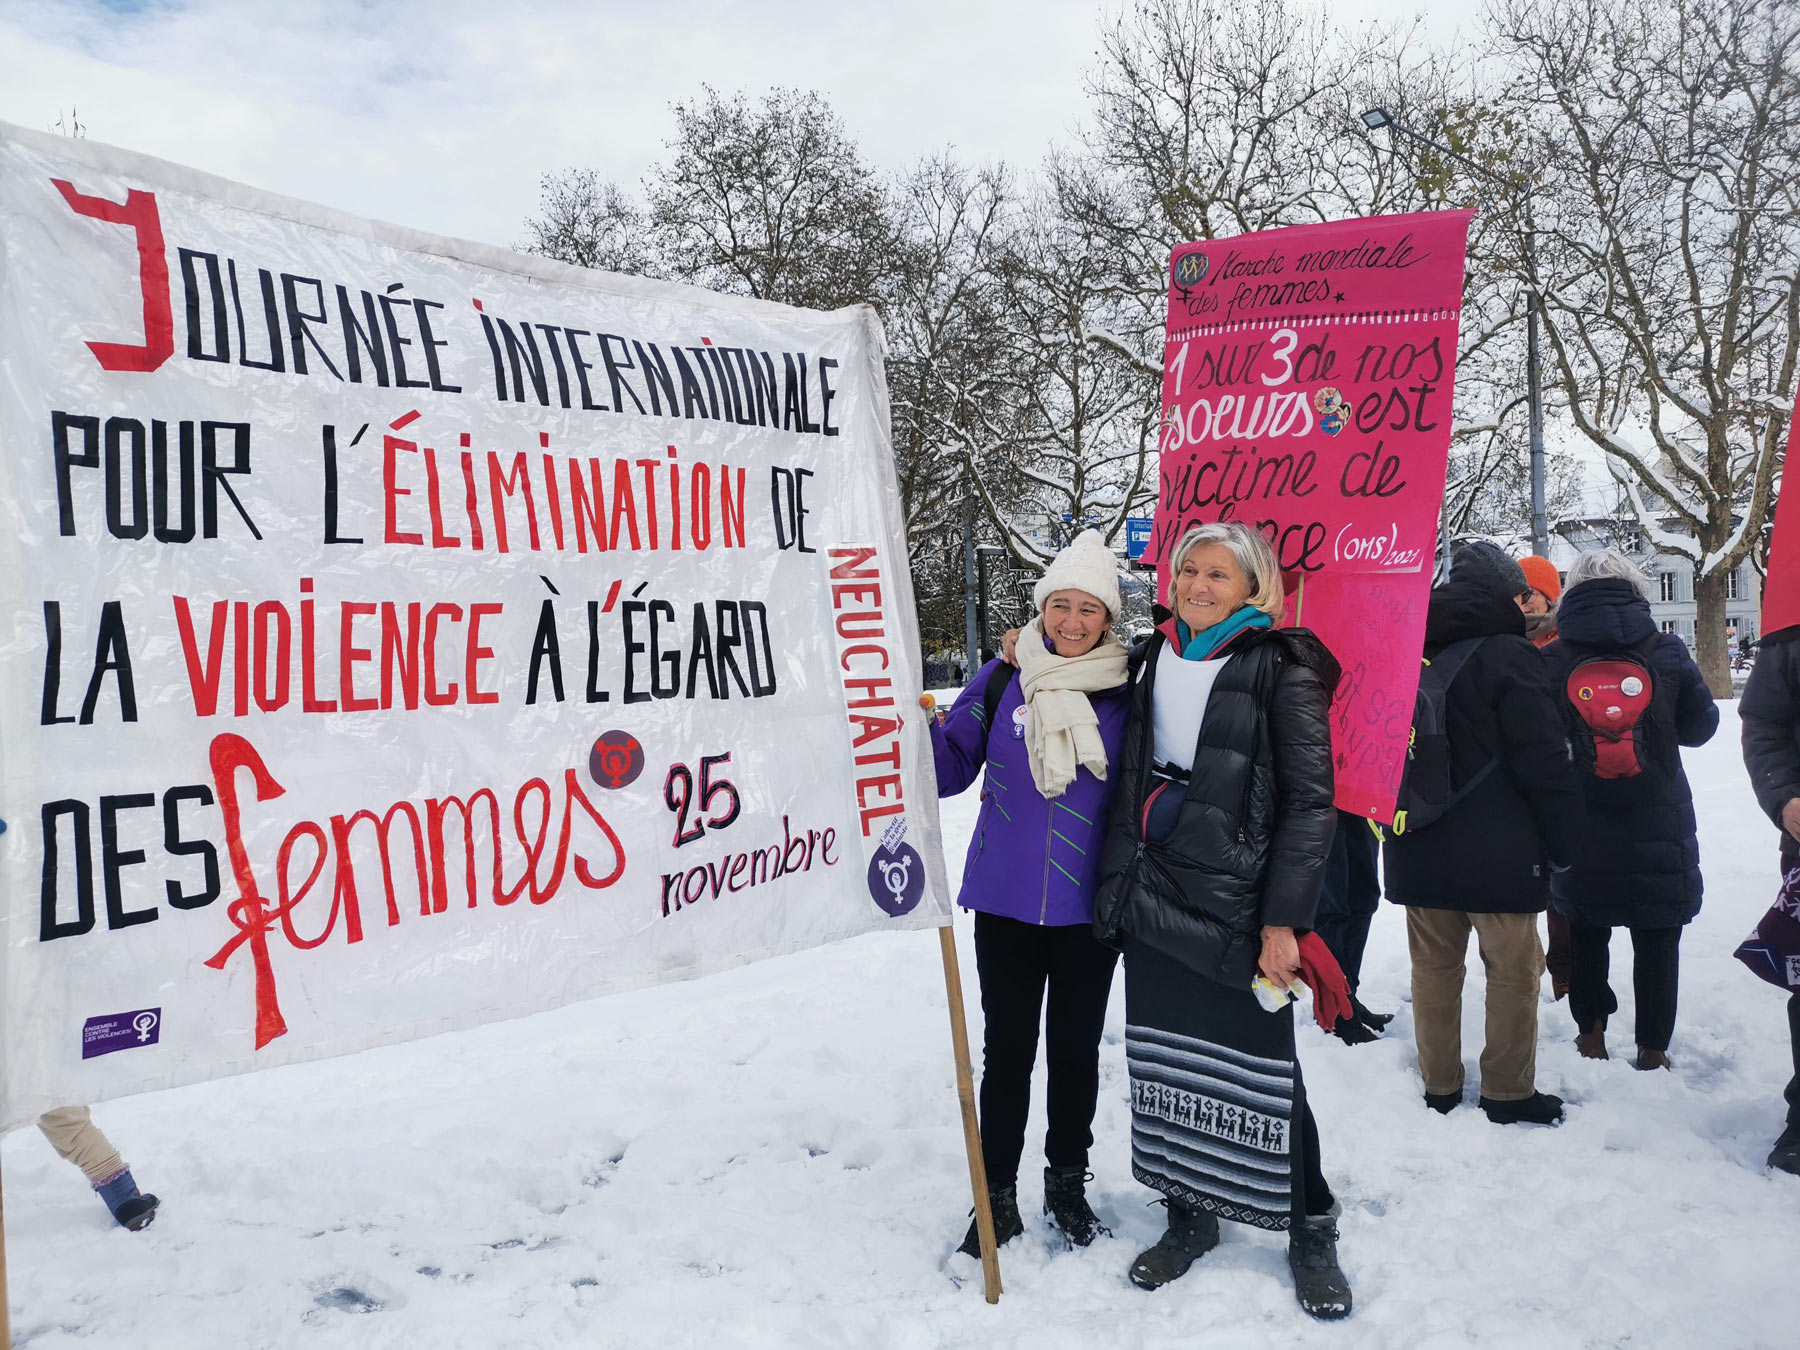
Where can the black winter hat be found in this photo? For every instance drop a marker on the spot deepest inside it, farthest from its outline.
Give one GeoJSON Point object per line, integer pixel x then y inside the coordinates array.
{"type": "Point", "coordinates": [1487, 565]}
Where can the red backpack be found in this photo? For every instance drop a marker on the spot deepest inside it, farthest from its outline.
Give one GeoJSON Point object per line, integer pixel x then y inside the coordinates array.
{"type": "Point", "coordinates": [1611, 697]}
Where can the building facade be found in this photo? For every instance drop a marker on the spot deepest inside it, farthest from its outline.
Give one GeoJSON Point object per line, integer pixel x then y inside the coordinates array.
{"type": "Point", "coordinates": [1671, 577]}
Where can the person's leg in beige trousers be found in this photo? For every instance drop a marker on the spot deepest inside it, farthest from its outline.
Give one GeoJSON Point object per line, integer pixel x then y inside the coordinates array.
{"type": "Point", "coordinates": [1513, 959]}
{"type": "Point", "coordinates": [73, 1134]}
{"type": "Point", "coordinates": [1439, 942]}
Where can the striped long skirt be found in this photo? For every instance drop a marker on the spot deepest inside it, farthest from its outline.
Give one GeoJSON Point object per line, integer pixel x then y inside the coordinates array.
{"type": "Point", "coordinates": [1219, 1119]}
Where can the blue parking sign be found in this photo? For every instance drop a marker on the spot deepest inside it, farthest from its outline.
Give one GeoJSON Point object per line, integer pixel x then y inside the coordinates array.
{"type": "Point", "coordinates": [1137, 536]}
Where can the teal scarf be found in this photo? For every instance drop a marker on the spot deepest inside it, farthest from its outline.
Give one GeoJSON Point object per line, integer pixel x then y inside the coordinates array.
{"type": "Point", "coordinates": [1203, 645]}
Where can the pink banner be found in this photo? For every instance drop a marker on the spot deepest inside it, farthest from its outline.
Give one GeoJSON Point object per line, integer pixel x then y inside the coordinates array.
{"type": "Point", "coordinates": [1781, 589]}
{"type": "Point", "coordinates": [1307, 388]}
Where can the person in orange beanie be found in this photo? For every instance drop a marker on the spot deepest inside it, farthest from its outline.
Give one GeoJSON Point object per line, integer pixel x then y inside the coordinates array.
{"type": "Point", "coordinates": [1539, 605]}
{"type": "Point", "coordinates": [1540, 602]}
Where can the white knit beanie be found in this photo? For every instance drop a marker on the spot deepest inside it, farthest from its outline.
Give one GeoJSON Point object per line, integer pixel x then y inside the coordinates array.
{"type": "Point", "coordinates": [1085, 565]}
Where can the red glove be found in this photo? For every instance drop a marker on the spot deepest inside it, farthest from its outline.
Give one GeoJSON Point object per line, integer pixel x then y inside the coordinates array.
{"type": "Point", "coordinates": [1330, 990]}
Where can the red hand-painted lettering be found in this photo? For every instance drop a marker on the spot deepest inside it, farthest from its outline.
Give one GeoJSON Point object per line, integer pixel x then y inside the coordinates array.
{"type": "Point", "coordinates": [138, 211]}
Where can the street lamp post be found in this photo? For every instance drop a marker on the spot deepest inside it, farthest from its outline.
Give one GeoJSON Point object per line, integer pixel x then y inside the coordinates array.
{"type": "Point", "coordinates": [1377, 118]}
{"type": "Point", "coordinates": [969, 638]}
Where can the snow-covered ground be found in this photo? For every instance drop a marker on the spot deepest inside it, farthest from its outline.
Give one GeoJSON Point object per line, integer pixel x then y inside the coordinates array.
{"type": "Point", "coordinates": [772, 1158]}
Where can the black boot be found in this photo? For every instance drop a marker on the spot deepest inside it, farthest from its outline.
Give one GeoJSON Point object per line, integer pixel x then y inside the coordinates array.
{"type": "Point", "coordinates": [1191, 1234]}
{"type": "Point", "coordinates": [1065, 1201]}
{"type": "Point", "coordinates": [1319, 1281]}
{"type": "Point", "coordinates": [1374, 1021]}
{"type": "Point", "coordinates": [1540, 1108]}
{"type": "Point", "coordinates": [1354, 1031]}
{"type": "Point", "coordinates": [1786, 1154]}
{"type": "Point", "coordinates": [131, 1207]}
{"type": "Point", "coordinates": [1004, 1202]}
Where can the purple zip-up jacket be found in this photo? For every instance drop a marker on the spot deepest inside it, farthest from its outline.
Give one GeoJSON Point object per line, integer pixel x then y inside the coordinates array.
{"type": "Point", "coordinates": [1032, 859]}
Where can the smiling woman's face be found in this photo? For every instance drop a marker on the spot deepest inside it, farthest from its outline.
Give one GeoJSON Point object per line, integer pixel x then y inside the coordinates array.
{"type": "Point", "coordinates": [1209, 587]}
{"type": "Point", "coordinates": [1073, 621]}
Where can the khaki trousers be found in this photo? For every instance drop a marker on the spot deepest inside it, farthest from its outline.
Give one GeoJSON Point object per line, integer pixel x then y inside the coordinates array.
{"type": "Point", "coordinates": [1514, 961]}
{"type": "Point", "coordinates": [73, 1134]}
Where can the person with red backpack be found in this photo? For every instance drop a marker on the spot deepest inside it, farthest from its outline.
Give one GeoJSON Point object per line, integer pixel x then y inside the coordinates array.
{"type": "Point", "coordinates": [1631, 697]}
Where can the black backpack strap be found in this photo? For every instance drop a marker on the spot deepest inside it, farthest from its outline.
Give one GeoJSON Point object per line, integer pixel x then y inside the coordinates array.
{"type": "Point", "coordinates": [998, 678]}
{"type": "Point", "coordinates": [1454, 655]}
{"type": "Point", "coordinates": [1459, 654]}
{"type": "Point", "coordinates": [1473, 783]}
{"type": "Point", "coordinates": [1444, 668]}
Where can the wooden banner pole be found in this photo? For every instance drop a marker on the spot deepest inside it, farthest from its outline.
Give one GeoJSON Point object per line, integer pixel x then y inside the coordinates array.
{"type": "Point", "coordinates": [5, 1316]}
{"type": "Point", "coordinates": [965, 1093]}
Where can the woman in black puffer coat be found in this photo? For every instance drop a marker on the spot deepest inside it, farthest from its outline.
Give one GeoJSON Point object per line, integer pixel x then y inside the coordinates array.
{"type": "Point", "coordinates": [1220, 827]}
{"type": "Point", "coordinates": [1638, 865]}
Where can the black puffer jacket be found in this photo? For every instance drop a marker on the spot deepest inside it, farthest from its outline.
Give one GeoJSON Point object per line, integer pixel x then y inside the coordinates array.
{"type": "Point", "coordinates": [1491, 852]}
{"type": "Point", "coordinates": [1248, 845]}
{"type": "Point", "coordinates": [1770, 712]}
{"type": "Point", "coordinates": [1638, 864]}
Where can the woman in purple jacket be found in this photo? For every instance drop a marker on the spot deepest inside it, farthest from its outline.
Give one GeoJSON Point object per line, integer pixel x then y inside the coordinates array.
{"type": "Point", "coordinates": [1041, 738]}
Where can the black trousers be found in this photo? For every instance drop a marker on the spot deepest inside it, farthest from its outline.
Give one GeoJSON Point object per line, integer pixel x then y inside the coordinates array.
{"type": "Point", "coordinates": [1017, 962]}
{"type": "Point", "coordinates": [1793, 1088]}
{"type": "Point", "coordinates": [1351, 893]}
{"type": "Point", "coordinates": [1312, 1193]}
{"type": "Point", "coordinates": [1655, 975]}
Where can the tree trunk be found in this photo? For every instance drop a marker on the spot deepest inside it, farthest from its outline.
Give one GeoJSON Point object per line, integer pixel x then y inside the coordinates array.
{"type": "Point", "coordinates": [1710, 646]}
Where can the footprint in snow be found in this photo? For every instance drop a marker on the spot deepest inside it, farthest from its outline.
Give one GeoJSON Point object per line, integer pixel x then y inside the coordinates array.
{"type": "Point", "coordinates": [346, 1298]}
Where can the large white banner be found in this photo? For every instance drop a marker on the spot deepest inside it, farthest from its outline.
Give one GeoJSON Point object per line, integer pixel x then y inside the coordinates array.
{"type": "Point", "coordinates": [401, 634]}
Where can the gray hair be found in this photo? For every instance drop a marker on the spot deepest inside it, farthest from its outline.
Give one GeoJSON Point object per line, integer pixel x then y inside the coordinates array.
{"type": "Point", "coordinates": [1251, 551]}
{"type": "Point", "coordinates": [1598, 564]}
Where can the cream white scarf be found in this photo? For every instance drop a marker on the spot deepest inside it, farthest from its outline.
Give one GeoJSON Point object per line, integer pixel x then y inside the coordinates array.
{"type": "Point", "coordinates": [1062, 731]}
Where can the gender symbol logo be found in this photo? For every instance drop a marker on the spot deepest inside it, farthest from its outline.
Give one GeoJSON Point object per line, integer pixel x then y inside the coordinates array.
{"type": "Point", "coordinates": [616, 759]}
{"type": "Point", "coordinates": [897, 880]}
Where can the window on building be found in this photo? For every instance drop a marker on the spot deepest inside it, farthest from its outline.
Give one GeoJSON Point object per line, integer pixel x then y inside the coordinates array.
{"type": "Point", "coordinates": [1667, 590]}
{"type": "Point", "coordinates": [1668, 626]}
{"type": "Point", "coordinates": [1731, 584]}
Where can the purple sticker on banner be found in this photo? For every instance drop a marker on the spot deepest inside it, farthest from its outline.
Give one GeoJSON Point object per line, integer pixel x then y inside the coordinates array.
{"type": "Point", "coordinates": [616, 759]}
{"type": "Point", "coordinates": [121, 1031]}
{"type": "Point", "coordinates": [897, 884]}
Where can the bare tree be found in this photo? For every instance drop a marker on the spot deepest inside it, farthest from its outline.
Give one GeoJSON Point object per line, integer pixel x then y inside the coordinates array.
{"type": "Point", "coordinates": [949, 369]}
{"type": "Point", "coordinates": [1212, 121]}
{"type": "Point", "coordinates": [1083, 424]}
{"type": "Point", "coordinates": [771, 200]}
{"type": "Point", "coordinates": [1668, 135]}
{"type": "Point", "coordinates": [589, 223]}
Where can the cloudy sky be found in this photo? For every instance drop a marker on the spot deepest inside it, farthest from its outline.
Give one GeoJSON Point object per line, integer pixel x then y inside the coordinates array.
{"type": "Point", "coordinates": [443, 114]}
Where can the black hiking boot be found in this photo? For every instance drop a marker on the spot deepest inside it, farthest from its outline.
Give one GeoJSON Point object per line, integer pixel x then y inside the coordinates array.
{"type": "Point", "coordinates": [1540, 1108]}
{"type": "Point", "coordinates": [1444, 1102]}
{"type": "Point", "coordinates": [1319, 1281]}
{"type": "Point", "coordinates": [1786, 1154]}
{"type": "Point", "coordinates": [1354, 1031]}
{"type": "Point", "coordinates": [1373, 1020]}
{"type": "Point", "coordinates": [1191, 1234]}
{"type": "Point", "coordinates": [1004, 1202]}
{"type": "Point", "coordinates": [1065, 1201]}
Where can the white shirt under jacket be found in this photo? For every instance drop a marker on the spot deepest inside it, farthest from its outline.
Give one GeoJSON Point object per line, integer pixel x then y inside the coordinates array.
{"type": "Point", "coordinates": [1178, 703]}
